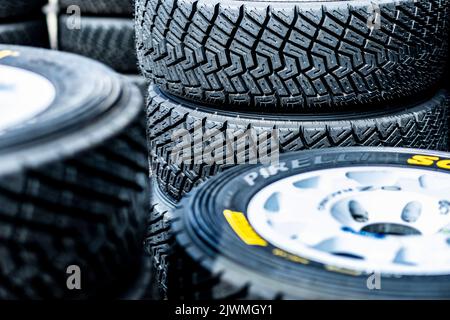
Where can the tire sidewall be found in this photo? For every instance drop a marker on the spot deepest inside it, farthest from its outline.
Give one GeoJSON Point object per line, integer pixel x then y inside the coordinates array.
{"type": "Point", "coordinates": [233, 192]}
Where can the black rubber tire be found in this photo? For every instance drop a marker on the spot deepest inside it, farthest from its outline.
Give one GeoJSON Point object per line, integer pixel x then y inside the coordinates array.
{"type": "Point", "coordinates": [73, 182]}
{"type": "Point", "coordinates": [27, 33]}
{"type": "Point", "coordinates": [16, 8]}
{"type": "Point", "coordinates": [108, 40]}
{"type": "Point", "coordinates": [159, 239]}
{"type": "Point", "coordinates": [209, 261]}
{"type": "Point", "coordinates": [293, 56]}
{"type": "Point", "coordinates": [101, 7]}
{"type": "Point", "coordinates": [423, 125]}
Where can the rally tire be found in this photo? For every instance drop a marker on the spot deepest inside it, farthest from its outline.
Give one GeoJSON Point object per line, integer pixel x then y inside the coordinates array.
{"type": "Point", "coordinates": [159, 238]}
{"type": "Point", "coordinates": [115, 228]}
{"type": "Point", "coordinates": [28, 33]}
{"type": "Point", "coordinates": [16, 8]}
{"type": "Point", "coordinates": [423, 125]}
{"type": "Point", "coordinates": [78, 195]}
{"type": "Point", "coordinates": [292, 56]}
{"type": "Point", "coordinates": [168, 259]}
{"type": "Point", "coordinates": [209, 261]}
{"type": "Point", "coordinates": [108, 40]}
{"type": "Point", "coordinates": [101, 7]}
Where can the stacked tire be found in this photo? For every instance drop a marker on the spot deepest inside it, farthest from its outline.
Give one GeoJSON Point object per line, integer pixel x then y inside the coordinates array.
{"type": "Point", "coordinates": [73, 179]}
{"type": "Point", "coordinates": [23, 23]}
{"type": "Point", "coordinates": [104, 31]}
{"type": "Point", "coordinates": [101, 30]}
{"type": "Point", "coordinates": [304, 75]}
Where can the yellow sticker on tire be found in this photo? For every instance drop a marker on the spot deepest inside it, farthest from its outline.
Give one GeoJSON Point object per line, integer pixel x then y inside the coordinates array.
{"type": "Point", "coordinates": [240, 225]}
{"type": "Point", "coordinates": [288, 256]}
{"type": "Point", "coordinates": [428, 161]}
{"type": "Point", "coordinates": [343, 271]}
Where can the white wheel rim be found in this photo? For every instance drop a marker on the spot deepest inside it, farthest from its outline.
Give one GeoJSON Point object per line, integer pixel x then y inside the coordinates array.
{"type": "Point", "coordinates": [380, 219]}
{"type": "Point", "coordinates": [23, 95]}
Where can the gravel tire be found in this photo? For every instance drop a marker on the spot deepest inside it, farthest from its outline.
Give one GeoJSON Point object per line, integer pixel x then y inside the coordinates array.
{"type": "Point", "coordinates": [159, 238]}
{"type": "Point", "coordinates": [27, 33]}
{"type": "Point", "coordinates": [423, 125]}
{"type": "Point", "coordinates": [108, 40]}
{"type": "Point", "coordinates": [293, 56]}
{"type": "Point", "coordinates": [73, 182]}
{"type": "Point", "coordinates": [210, 259]}
{"type": "Point", "coordinates": [101, 7]}
{"type": "Point", "coordinates": [16, 8]}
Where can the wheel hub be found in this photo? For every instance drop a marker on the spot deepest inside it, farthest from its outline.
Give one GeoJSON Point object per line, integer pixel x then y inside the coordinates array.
{"type": "Point", "coordinates": [389, 220]}
{"type": "Point", "coordinates": [23, 95]}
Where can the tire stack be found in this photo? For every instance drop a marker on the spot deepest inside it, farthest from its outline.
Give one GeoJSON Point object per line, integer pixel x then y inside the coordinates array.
{"type": "Point", "coordinates": [73, 179]}
{"type": "Point", "coordinates": [101, 30]}
{"type": "Point", "coordinates": [23, 23]}
{"type": "Point", "coordinates": [319, 74]}
{"type": "Point", "coordinates": [104, 31]}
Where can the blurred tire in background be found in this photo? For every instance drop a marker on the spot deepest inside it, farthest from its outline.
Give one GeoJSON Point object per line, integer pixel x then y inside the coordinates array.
{"type": "Point", "coordinates": [73, 177]}
{"type": "Point", "coordinates": [123, 8]}
{"type": "Point", "coordinates": [108, 40]}
{"type": "Point", "coordinates": [101, 30]}
{"type": "Point", "coordinates": [23, 23]}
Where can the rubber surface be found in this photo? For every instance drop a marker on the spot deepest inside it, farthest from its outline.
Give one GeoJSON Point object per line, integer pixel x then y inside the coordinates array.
{"type": "Point", "coordinates": [108, 40]}
{"type": "Point", "coordinates": [139, 81]}
{"type": "Point", "coordinates": [27, 33]}
{"type": "Point", "coordinates": [101, 7]}
{"type": "Point", "coordinates": [159, 239]}
{"type": "Point", "coordinates": [424, 126]}
{"type": "Point", "coordinates": [292, 55]}
{"type": "Point", "coordinates": [15, 8]}
{"type": "Point", "coordinates": [73, 183]}
{"type": "Point", "coordinates": [207, 260]}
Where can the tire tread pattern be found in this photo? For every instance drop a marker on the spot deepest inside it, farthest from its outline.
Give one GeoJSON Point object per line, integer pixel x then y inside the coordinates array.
{"type": "Point", "coordinates": [108, 40]}
{"type": "Point", "coordinates": [88, 210]}
{"type": "Point", "coordinates": [27, 33]}
{"type": "Point", "coordinates": [101, 7]}
{"type": "Point", "coordinates": [295, 56]}
{"type": "Point", "coordinates": [22, 8]}
{"type": "Point", "coordinates": [178, 275]}
{"type": "Point", "coordinates": [425, 128]}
